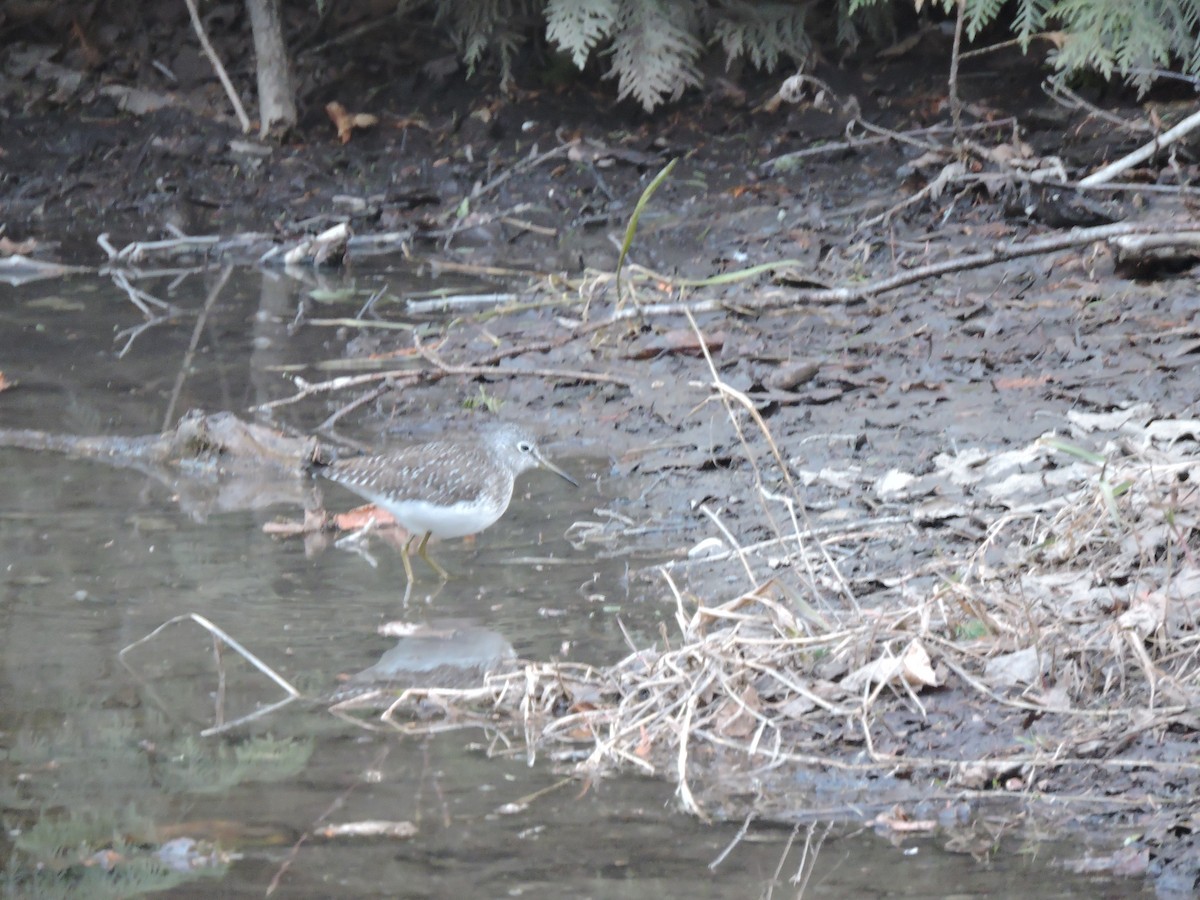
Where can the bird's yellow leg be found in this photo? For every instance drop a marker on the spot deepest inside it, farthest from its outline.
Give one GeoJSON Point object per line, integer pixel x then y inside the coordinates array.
{"type": "Point", "coordinates": [408, 572]}
{"type": "Point", "coordinates": [445, 576]}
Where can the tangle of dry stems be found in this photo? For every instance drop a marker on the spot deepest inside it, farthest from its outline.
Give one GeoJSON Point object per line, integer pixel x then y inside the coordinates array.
{"type": "Point", "coordinates": [765, 677]}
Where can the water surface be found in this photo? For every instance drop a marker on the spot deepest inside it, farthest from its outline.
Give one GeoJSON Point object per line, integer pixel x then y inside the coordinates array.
{"type": "Point", "coordinates": [94, 557]}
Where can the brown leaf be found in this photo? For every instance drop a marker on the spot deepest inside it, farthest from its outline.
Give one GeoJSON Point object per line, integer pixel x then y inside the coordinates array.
{"type": "Point", "coordinates": [92, 57]}
{"type": "Point", "coordinates": [680, 342]}
{"type": "Point", "coordinates": [346, 121]}
{"type": "Point", "coordinates": [736, 719]}
{"type": "Point", "coordinates": [914, 668]}
{"type": "Point", "coordinates": [642, 750]}
{"type": "Point", "coordinates": [795, 707]}
{"type": "Point", "coordinates": [12, 248]}
{"type": "Point", "coordinates": [1019, 383]}
{"type": "Point", "coordinates": [790, 375]}
{"type": "Point", "coordinates": [898, 820]}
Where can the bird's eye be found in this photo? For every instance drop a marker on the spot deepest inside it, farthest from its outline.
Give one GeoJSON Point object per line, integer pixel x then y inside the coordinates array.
{"type": "Point", "coordinates": [525, 447]}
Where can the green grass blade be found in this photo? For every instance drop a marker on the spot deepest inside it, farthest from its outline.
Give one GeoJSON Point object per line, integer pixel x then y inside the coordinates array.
{"type": "Point", "coordinates": [1074, 450]}
{"type": "Point", "coordinates": [631, 228]}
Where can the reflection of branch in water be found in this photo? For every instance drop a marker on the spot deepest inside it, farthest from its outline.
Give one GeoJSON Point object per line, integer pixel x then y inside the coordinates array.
{"type": "Point", "coordinates": [219, 725]}
{"type": "Point", "coordinates": [186, 363]}
{"type": "Point", "coordinates": [135, 332]}
{"type": "Point", "coordinates": [143, 301]}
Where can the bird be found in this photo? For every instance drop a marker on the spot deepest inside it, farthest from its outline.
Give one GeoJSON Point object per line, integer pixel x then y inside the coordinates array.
{"type": "Point", "coordinates": [445, 488]}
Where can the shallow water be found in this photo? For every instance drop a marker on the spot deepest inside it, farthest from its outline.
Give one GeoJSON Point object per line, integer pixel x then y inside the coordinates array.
{"type": "Point", "coordinates": [94, 558]}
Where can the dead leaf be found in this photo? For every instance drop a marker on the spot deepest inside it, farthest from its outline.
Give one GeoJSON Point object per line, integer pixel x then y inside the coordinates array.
{"type": "Point", "coordinates": [314, 522]}
{"type": "Point", "coordinates": [411, 122]}
{"type": "Point", "coordinates": [346, 122]}
{"type": "Point", "coordinates": [737, 720]}
{"type": "Point", "coordinates": [1130, 417]}
{"type": "Point", "coordinates": [1145, 615]}
{"type": "Point", "coordinates": [939, 509]}
{"type": "Point", "coordinates": [1009, 669]}
{"type": "Point", "coordinates": [1007, 154]}
{"type": "Point", "coordinates": [92, 57]}
{"type": "Point", "coordinates": [136, 101]}
{"type": "Point", "coordinates": [894, 485]}
{"type": "Point", "coordinates": [325, 249]}
{"type": "Point", "coordinates": [989, 229]}
{"type": "Point", "coordinates": [899, 821]}
{"type": "Point", "coordinates": [645, 745]}
{"type": "Point", "coordinates": [1021, 382]}
{"type": "Point", "coordinates": [1056, 698]}
{"type": "Point", "coordinates": [1171, 430]}
{"type": "Point", "coordinates": [790, 375]}
{"type": "Point", "coordinates": [11, 248]}
{"type": "Point", "coordinates": [914, 668]}
{"type": "Point", "coordinates": [795, 707]}
{"type": "Point", "coordinates": [679, 341]}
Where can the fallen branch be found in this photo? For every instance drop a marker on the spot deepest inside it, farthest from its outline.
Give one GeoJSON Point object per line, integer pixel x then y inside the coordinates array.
{"type": "Point", "coordinates": [211, 53]}
{"type": "Point", "coordinates": [440, 369]}
{"type": "Point", "coordinates": [1001, 253]}
{"type": "Point", "coordinates": [1143, 152]}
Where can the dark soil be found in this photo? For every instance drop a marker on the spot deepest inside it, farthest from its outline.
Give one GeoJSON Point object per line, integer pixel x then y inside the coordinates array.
{"type": "Point", "coordinates": [991, 357]}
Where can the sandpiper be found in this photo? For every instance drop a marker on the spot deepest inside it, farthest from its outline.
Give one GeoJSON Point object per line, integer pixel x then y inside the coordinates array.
{"type": "Point", "coordinates": [447, 488]}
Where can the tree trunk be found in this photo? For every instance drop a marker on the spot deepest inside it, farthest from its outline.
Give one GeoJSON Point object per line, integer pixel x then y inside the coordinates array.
{"type": "Point", "coordinates": [276, 101]}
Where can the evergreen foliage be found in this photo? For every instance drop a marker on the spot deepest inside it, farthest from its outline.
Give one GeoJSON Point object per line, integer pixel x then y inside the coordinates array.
{"type": "Point", "coordinates": [764, 33]}
{"type": "Point", "coordinates": [580, 27]}
{"type": "Point", "coordinates": [655, 50]}
{"type": "Point", "coordinates": [477, 26]}
{"type": "Point", "coordinates": [74, 829]}
{"type": "Point", "coordinates": [652, 47]}
{"type": "Point", "coordinates": [1130, 38]}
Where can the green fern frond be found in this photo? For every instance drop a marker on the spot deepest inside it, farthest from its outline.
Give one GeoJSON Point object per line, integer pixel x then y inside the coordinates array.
{"type": "Point", "coordinates": [192, 767]}
{"type": "Point", "coordinates": [1030, 18]}
{"type": "Point", "coordinates": [654, 45]}
{"type": "Point", "coordinates": [477, 26]}
{"type": "Point", "coordinates": [1119, 37]}
{"type": "Point", "coordinates": [655, 50]}
{"type": "Point", "coordinates": [762, 32]}
{"type": "Point", "coordinates": [846, 31]}
{"type": "Point", "coordinates": [853, 7]}
{"type": "Point", "coordinates": [270, 759]}
{"type": "Point", "coordinates": [979, 14]}
{"type": "Point", "coordinates": [578, 26]}
{"type": "Point", "coordinates": [873, 16]}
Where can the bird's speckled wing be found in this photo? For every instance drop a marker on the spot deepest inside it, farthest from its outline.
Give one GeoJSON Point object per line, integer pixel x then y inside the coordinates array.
{"type": "Point", "coordinates": [440, 472]}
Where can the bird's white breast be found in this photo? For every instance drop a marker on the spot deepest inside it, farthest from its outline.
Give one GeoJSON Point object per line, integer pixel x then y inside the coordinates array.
{"type": "Point", "coordinates": [457, 520]}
